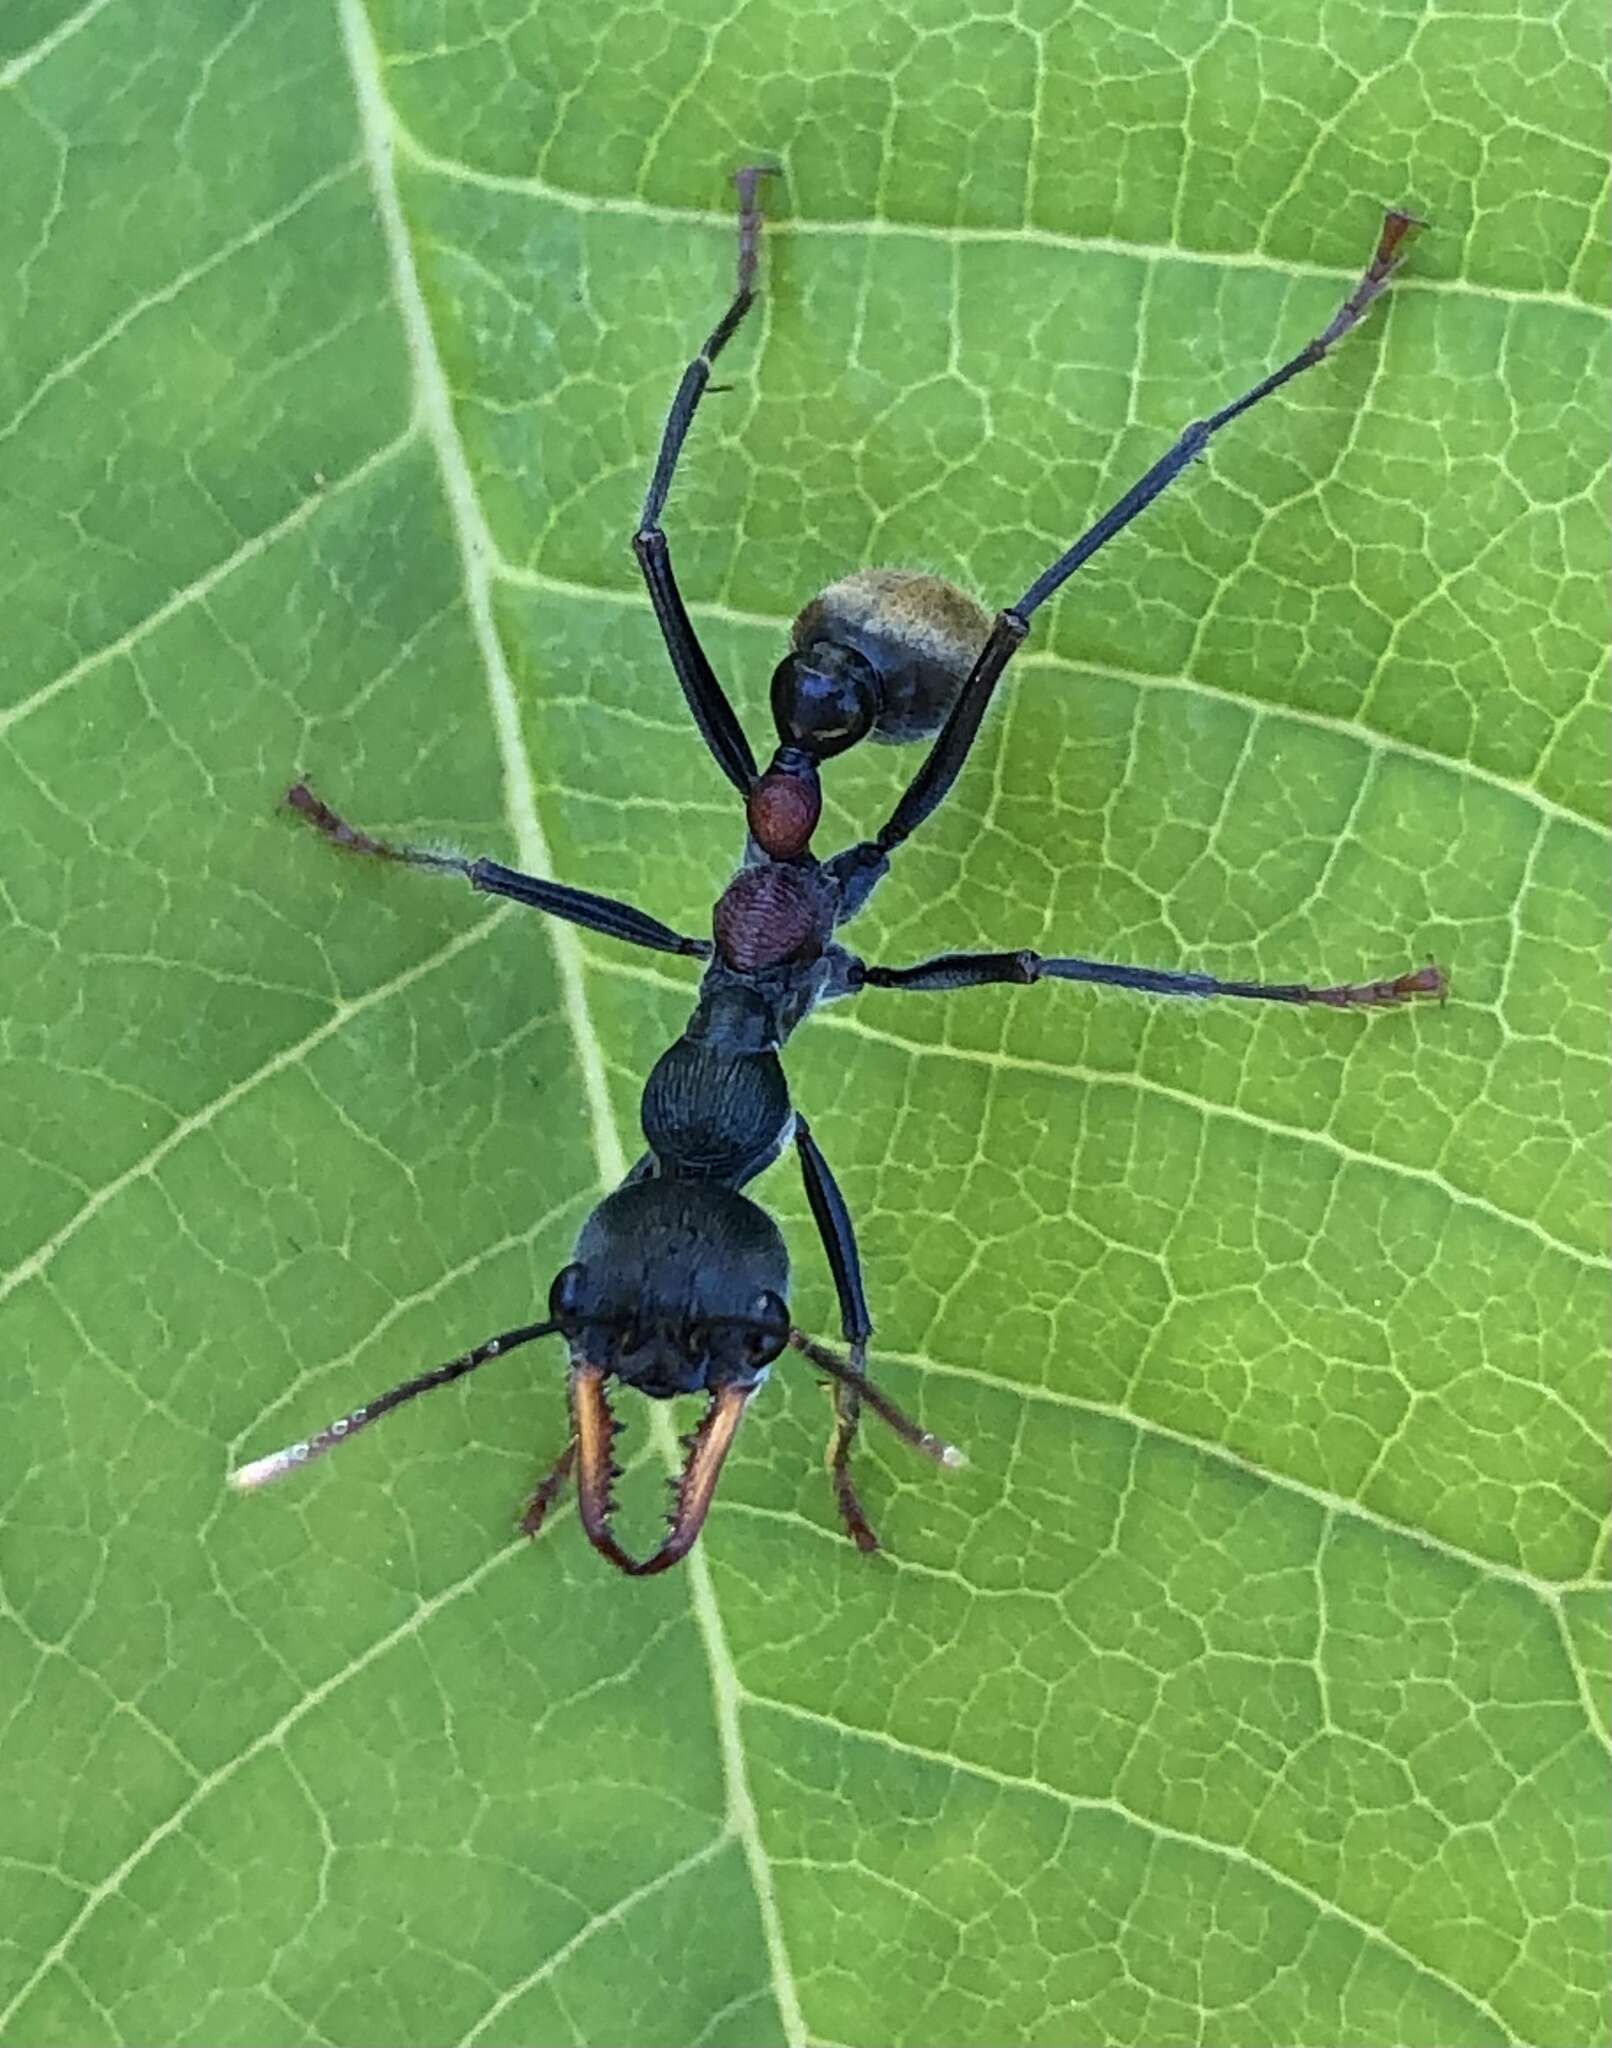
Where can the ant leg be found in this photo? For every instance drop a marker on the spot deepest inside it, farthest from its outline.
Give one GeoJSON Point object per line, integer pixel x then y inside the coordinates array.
{"type": "Point", "coordinates": [834, 1227]}
{"type": "Point", "coordinates": [576, 906]}
{"type": "Point", "coordinates": [956, 736]}
{"type": "Point", "coordinates": [974, 970]}
{"type": "Point", "coordinates": [548, 1490]}
{"type": "Point", "coordinates": [713, 714]}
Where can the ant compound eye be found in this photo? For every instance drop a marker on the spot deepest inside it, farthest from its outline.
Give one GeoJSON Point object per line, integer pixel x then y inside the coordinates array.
{"type": "Point", "coordinates": [565, 1296]}
{"type": "Point", "coordinates": [772, 1313]}
{"type": "Point", "coordinates": [824, 699]}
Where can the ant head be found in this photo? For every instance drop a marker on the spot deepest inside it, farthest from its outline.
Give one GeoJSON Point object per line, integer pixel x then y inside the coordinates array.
{"type": "Point", "coordinates": [678, 1287]}
{"type": "Point", "coordinates": [825, 697]}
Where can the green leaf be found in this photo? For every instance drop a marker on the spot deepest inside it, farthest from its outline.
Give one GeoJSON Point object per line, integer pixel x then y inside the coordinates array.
{"type": "Point", "coordinates": [1249, 1684]}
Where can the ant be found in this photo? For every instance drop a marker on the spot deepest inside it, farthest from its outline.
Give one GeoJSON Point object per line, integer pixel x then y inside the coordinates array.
{"type": "Point", "coordinates": [679, 1281]}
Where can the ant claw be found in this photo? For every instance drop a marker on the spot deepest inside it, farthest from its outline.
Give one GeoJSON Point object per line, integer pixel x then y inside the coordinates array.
{"type": "Point", "coordinates": [1430, 980]}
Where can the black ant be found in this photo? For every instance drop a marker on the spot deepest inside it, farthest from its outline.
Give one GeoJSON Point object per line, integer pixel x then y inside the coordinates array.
{"type": "Point", "coordinates": [679, 1281]}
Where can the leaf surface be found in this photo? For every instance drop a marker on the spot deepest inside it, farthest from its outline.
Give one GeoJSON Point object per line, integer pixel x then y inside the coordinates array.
{"type": "Point", "coordinates": [1249, 1685]}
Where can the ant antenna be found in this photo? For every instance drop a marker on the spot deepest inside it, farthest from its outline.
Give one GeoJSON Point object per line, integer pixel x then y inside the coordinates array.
{"type": "Point", "coordinates": [264, 1471]}
{"type": "Point", "coordinates": [848, 1375]}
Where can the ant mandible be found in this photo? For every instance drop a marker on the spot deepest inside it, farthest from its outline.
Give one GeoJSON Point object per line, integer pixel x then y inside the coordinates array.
{"type": "Point", "coordinates": [679, 1281]}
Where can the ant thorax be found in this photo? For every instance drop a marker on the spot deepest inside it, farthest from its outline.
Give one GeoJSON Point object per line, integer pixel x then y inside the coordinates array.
{"type": "Point", "coordinates": [714, 1111]}
{"type": "Point", "coordinates": [774, 914]}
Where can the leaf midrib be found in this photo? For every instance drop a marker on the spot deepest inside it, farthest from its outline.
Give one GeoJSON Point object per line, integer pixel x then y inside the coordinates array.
{"type": "Point", "coordinates": [478, 558]}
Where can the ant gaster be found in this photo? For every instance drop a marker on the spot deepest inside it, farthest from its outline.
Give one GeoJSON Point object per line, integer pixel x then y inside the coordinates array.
{"type": "Point", "coordinates": [679, 1282]}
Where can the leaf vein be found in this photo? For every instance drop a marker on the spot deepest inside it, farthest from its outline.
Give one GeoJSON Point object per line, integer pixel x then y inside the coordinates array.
{"type": "Point", "coordinates": [461, 173]}
{"type": "Point", "coordinates": [1260, 708]}
{"type": "Point", "coordinates": [1073, 1802]}
{"type": "Point", "coordinates": [207, 582]}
